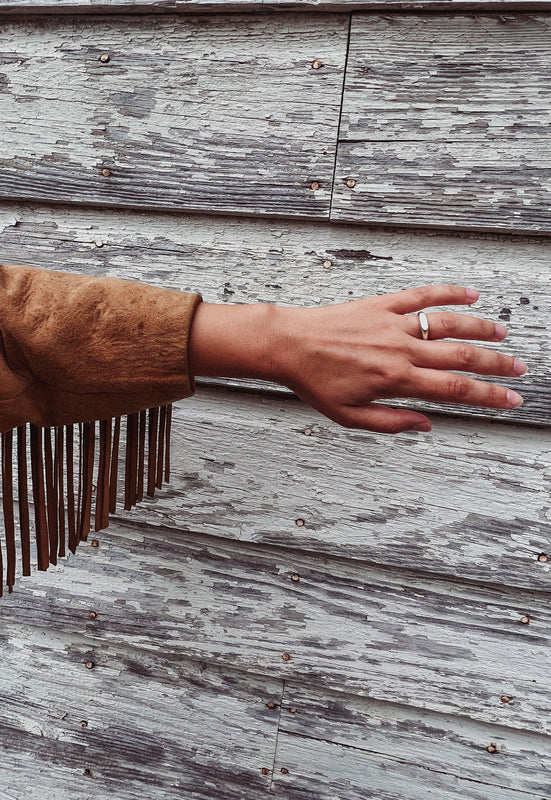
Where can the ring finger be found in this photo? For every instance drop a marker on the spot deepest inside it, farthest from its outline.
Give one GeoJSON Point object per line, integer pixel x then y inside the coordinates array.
{"type": "Point", "coordinates": [447, 325]}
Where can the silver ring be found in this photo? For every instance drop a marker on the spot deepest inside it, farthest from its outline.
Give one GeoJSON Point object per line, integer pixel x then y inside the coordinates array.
{"type": "Point", "coordinates": [423, 324]}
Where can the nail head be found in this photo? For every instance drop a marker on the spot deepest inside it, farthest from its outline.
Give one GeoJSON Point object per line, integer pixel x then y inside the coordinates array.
{"type": "Point", "coordinates": [314, 186]}
{"type": "Point", "coordinates": [317, 64]}
{"type": "Point", "coordinates": [350, 183]}
{"type": "Point", "coordinates": [104, 58]}
{"type": "Point", "coordinates": [90, 665]}
{"type": "Point", "coordinates": [286, 657]}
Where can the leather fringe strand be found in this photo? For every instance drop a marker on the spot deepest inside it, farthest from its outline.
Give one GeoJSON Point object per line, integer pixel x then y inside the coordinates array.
{"type": "Point", "coordinates": [62, 514]}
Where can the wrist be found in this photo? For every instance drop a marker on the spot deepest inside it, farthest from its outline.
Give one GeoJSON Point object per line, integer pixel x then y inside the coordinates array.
{"type": "Point", "coordinates": [234, 341]}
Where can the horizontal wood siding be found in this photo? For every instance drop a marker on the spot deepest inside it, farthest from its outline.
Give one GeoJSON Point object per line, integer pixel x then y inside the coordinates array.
{"type": "Point", "coordinates": [445, 123]}
{"type": "Point", "coordinates": [245, 260]}
{"type": "Point", "coordinates": [198, 113]}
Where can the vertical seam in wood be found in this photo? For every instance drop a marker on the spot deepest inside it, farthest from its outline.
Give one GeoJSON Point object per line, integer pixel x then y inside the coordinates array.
{"type": "Point", "coordinates": [277, 733]}
{"type": "Point", "coordinates": [340, 116]}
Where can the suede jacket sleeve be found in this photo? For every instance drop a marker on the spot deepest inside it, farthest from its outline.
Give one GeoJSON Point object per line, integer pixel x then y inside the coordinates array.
{"type": "Point", "coordinates": [75, 348]}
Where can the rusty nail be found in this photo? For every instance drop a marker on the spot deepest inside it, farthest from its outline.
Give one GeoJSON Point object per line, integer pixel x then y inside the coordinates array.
{"type": "Point", "coordinates": [543, 557]}
{"type": "Point", "coordinates": [286, 657]}
{"type": "Point", "coordinates": [92, 614]}
{"type": "Point", "coordinates": [505, 698]}
{"type": "Point", "coordinates": [350, 183]}
{"type": "Point", "coordinates": [83, 724]}
{"type": "Point", "coordinates": [292, 711]}
{"type": "Point", "coordinates": [104, 58]}
{"type": "Point", "coordinates": [525, 620]}
{"type": "Point", "coordinates": [94, 543]}
{"type": "Point", "coordinates": [299, 522]}
{"type": "Point", "coordinates": [327, 263]}
{"type": "Point", "coordinates": [271, 704]}
{"type": "Point", "coordinates": [317, 64]}
{"type": "Point", "coordinates": [90, 665]}
{"type": "Point", "coordinates": [314, 186]}
{"type": "Point", "coordinates": [265, 771]}
{"type": "Point", "coordinates": [106, 172]}
{"type": "Point", "coordinates": [295, 576]}
{"type": "Point", "coordinates": [98, 243]}
{"type": "Point", "coordinates": [87, 772]}
{"type": "Point", "coordinates": [285, 770]}
{"type": "Point", "coordinates": [492, 748]}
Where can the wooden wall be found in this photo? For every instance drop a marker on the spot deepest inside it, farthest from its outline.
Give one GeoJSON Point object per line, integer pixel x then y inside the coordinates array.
{"type": "Point", "coordinates": [306, 611]}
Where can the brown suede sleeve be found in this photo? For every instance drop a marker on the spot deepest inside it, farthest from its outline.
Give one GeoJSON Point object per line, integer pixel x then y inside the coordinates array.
{"type": "Point", "coordinates": [76, 349]}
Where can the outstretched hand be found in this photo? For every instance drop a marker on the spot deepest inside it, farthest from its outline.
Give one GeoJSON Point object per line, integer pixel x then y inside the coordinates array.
{"type": "Point", "coordinates": [341, 358]}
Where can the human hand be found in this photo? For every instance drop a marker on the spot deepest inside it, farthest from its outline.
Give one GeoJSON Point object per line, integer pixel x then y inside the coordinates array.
{"type": "Point", "coordinates": [340, 358]}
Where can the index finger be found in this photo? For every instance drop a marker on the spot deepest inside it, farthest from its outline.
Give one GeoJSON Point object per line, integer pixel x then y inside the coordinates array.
{"type": "Point", "coordinates": [422, 297]}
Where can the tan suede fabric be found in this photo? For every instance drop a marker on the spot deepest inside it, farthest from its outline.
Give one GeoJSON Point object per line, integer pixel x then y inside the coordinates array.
{"type": "Point", "coordinates": [75, 348]}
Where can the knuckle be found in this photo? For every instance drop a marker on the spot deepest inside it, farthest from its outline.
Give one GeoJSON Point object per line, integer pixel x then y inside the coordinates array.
{"type": "Point", "coordinates": [458, 388]}
{"type": "Point", "coordinates": [448, 323]}
{"type": "Point", "coordinates": [393, 427]}
{"type": "Point", "coordinates": [495, 395]}
{"type": "Point", "coordinates": [466, 356]}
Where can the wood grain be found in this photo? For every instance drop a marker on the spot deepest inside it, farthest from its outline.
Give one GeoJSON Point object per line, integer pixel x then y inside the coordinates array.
{"type": "Point", "coordinates": [153, 724]}
{"type": "Point", "coordinates": [209, 113]}
{"type": "Point", "coordinates": [297, 263]}
{"type": "Point", "coordinates": [444, 123]}
{"type": "Point", "coordinates": [446, 744]}
{"type": "Point", "coordinates": [348, 627]}
{"type": "Point", "coordinates": [183, 6]}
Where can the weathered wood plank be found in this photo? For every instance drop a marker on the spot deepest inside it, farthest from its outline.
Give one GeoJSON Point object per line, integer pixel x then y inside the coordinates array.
{"type": "Point", "coordinates": [444, 123]}
{"type": "Point", "coordinates": [228, 115]}
{"type": "Point", "coordinates": [158, 6]}
{"type": "Point", "coordinates": [441, 743]}
{"type": "Point", "coordinates": [155, 726]}
{"type": "Point", "coordinates": [469, 501]}
{"type": "Point", "coordinates": [325, 770]}
{"type": "Point", "coordinates": [244, 260]}
{"type": "Point", "coordinates": [383, 634]}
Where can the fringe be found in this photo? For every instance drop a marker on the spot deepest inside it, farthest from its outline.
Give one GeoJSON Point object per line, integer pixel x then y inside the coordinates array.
{"type": "Point", "coordinates": [63, 516]}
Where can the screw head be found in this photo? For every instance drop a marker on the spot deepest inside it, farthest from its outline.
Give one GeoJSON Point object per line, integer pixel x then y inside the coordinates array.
{"type": "Point", "coordinates": [525, 620]}
{"type": "Point", "coordinates": [83, 724]}
{"type": "Point", "coordinates": [92, 614]}
{"type": "Point", "coordinates": [505, 698]}
{"type": "Point", "coordinates": [98, 243]}
{"type": "Point", "coordinates": [299, 522]}
{"type": "Point", "coordinates": [90, 665]}
{"type": "Point", "coordinates": [265, 771]}
{"type": "Point", "coordinates": [327, 263]}
{"type": "Point", "coordinates": [106, 172]}
{"type": "Point", "coordinates": [104, 58]}
{"type": "Point", "coordinates": [543, 557]}
{"type": "Point", "coordinates": [87, 772]}
{"type": "Point", "coordinates": [314, 186]}
{"type": "Point", "coordinates": [492, 748]}
{"type": "Point", "coordinates": [295, 576]}
{"type": "Point", "coordinates": [285, 770]}
{"type": "Point", "coordinates": [271, 704]}
{"type": "Point", "coordinates": [94, 543]}
{"type": "Point", "coordinates": [350, 183]}
{"type": "Point", "coordinates": [307, 431]}
{"type": "Point", "coordinates": [286, 657]}
{"type": "Point", "coordinates": [317, 64]}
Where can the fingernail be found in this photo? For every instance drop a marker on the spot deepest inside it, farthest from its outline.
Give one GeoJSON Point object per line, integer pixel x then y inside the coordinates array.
{"type": "Point", "coordinates": [424, 427]}
{"type": "Point", "coordinates": [519, 367]}
{"type": "Point", "coordinates": [472, 294]}
{"type": "Point", "coordinates": [514, 400]}
{"type": "Point", "coordinates": [500, 331]}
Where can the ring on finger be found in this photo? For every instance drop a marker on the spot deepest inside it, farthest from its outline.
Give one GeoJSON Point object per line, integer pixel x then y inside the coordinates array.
{"type": "Point", "coordinates": [423, 324]}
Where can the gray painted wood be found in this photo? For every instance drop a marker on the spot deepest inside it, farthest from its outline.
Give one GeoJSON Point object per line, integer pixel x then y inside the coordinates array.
{"type": "Point", "coordinates": [442, 743]}
{"type": "Point", "coordinates": [157, 726]}
{"type": "Point", "coordinates": [325, 770]}
{"type": "Point", "coordinates": [289, 262]}
{"type": "Point", "coordinates": [445, 123]}
{"type": "Point", "coordinates": [470, 500]}
{"type": "Point", "coordinates": [157, 6]}
{"type": "Point", "coordinates": [227, 114]}
{"type": "Point", "coordinates": [347, 627]}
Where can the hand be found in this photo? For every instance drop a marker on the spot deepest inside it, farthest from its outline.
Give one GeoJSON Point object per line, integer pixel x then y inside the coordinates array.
{"type": "Point", "coordinates": [340, 358]}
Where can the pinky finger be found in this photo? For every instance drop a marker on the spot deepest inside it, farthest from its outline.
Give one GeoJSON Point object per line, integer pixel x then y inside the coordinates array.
{"type": "Point", "coordinates": [382, 419]}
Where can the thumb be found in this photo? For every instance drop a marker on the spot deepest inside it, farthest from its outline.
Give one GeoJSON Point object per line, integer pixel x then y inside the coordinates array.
{"type": "Point", "coordinates": [382, 419]}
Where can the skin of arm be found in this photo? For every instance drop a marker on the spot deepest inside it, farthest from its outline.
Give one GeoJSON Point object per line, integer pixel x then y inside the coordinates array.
{"type": "Point", "coordinates": [341, 358]}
